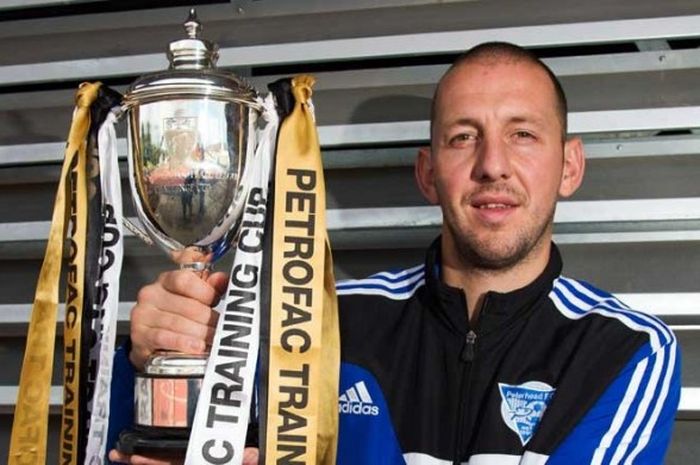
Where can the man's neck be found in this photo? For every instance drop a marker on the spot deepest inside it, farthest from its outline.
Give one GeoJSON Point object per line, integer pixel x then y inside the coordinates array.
{"type": "Point", "coordinates": [476, 282]}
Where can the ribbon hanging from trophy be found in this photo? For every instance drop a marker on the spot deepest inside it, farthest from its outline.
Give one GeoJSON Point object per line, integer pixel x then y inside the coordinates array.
{"type": "Point", "coordinates": [106, 282]}
{"type": "Point", "coordinates": [89, 338]}
{"type": "Point", "coordinates": [103, 252]}
{"type": "Point", "coordinates": [29, 430]}
{"type": "Point", "coordinates": [87, 334]}
{"type": "Point", "coordinates": [221, 420]}
{"type": "Point", "coordinates": [300, 356]}
{"type": "Point", "coordinates": [73, 395]}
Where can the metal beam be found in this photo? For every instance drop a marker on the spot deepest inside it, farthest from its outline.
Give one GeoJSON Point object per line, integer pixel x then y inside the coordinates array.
{"type": "Point", "coordinates": [664, 304]}
{"type": "Point", "coordinates": [654, 119]}
{"type": "Point", "coordinates": [690, 400]}
{"type": "Point", "coordinates": [626, 237]}
{"type": "Point", "coordinates": [18, 314]}
{"type": "Point", "coordinates": [585, 122]}
{"type": "Point", "coordinates": [23, 4]}
{"type": "Point", "coordinates": [652, 45]}
{"type": "Point", "coordinates": [643, 147]}
{"type": "Point", "coordinates": [602, 211]}
{"type": "Point", "coordinates": [8, 397]}
{"type": "Point", "coordinates": [587, 65]}
{"type": "Point", "coordinates": [592, 32]}
{"type": "Point", "coordinates": [232, 10]}
{"type": "Point", "coordinates": [660, 146]}
{"type": "Point", "coordinates": [596, 221]}
{"type": "Point", "coordinates": [338, 136]}
{"type": "Point", "coordinates": [427, 75]}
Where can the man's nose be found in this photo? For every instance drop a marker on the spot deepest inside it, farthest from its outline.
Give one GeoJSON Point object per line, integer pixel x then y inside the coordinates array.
{"type": "Point", "coordinates": [492, 160]}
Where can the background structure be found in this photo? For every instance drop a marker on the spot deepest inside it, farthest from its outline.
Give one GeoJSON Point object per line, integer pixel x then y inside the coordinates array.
{"type": "Point", "coordinates": [631, 70]}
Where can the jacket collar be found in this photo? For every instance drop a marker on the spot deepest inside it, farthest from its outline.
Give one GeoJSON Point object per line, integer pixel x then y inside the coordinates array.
{"type": "Point", "coordinates": [500, 309]}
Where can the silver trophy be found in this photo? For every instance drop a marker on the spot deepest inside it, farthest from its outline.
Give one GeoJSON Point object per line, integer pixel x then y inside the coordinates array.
{"type": "Point", "coordinates": [191, 130]}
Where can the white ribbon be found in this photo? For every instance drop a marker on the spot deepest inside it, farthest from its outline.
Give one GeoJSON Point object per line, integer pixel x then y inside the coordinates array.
{"type": "Point", "coordinates": [221, 420]}
{"type": "Point", "coordinates": [110, 269]}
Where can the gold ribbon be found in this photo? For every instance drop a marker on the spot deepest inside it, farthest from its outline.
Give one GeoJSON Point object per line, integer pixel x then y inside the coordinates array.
{"type": "Point", "coordinates": [302, 407]}
{"type": "Point", "coordinates": [30, 425]}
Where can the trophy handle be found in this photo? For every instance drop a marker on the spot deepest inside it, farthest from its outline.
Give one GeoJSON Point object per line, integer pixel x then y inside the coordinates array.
{"type": "Point", "coordinates": [137, 231]}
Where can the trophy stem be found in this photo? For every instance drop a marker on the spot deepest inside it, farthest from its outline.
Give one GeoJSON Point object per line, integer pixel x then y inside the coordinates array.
{"type": "Point", "coordinates": [197, 267]}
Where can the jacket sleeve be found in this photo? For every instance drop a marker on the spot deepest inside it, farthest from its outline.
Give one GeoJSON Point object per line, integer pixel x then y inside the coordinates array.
{"type": "Point", "coordinates": [121, 403]}
{"type": "Point", "coordinates": [631, 422]}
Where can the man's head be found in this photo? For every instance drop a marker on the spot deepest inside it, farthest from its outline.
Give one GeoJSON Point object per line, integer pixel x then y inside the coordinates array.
{"type": "Point", "coordinates": [499, 157]}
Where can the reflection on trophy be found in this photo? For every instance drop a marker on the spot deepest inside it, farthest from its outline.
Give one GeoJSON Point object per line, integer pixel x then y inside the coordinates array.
{"type": "Point", "coordinates": [191, 136]}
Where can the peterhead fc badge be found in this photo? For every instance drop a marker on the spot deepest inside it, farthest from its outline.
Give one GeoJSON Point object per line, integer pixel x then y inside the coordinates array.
{"type": "Point", "coordinates": [523, 405]}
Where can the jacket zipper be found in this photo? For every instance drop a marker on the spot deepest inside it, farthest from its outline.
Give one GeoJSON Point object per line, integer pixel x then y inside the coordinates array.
{"type": "Point", "coordinates": [467, 357]}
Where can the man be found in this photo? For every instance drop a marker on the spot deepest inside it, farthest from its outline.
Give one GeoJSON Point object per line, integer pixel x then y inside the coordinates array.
{"type": "Point", "coordinates": [484, 354]}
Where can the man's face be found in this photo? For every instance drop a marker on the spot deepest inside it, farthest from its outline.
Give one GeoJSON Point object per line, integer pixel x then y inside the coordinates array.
{"type": "Point", "coordinates": [497, 162]}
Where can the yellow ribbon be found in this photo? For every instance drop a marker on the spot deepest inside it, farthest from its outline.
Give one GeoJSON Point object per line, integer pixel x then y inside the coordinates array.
{"type": "Point", "coordinates": [75, 281]}
{"type": "Point", "coordinates": [30, 425]}
{"type": "Point", "coordinates": [302, 416]}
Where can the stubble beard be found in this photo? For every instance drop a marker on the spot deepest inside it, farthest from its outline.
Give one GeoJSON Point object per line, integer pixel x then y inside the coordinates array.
{"type": "Point", "coordinates": [494, 255]}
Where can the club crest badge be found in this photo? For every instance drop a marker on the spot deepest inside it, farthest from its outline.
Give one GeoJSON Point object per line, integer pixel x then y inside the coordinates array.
{"type": "Point", "coordinates": [523, 405]}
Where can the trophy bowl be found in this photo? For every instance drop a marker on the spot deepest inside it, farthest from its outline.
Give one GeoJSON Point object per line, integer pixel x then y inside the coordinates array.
{"type": "Point", "coordinates": [187, 160]}
{"type": "Point", "coordinates": [192, 132]}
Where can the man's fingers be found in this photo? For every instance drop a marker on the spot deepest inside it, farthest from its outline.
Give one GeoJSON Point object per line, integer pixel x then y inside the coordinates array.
{"type": "Point", "coordinates": [140, 460]}
{"type": "Point", "coordinates": [181, 323]}
{"type": "Point", "coordinates": [251, 456]}
{"type": "Point", "coordinates": [119, 457]}
{"type": "Point", "coordinates": [219, 281]}
{"type": "Point", "coordinates": [189, 284]}
{"type": "Point", "coordinates": [162, 338]}
{"type": "Point", "coordinates": [153, 329]}
{"type": "Point", "coordinates": [154, 303]}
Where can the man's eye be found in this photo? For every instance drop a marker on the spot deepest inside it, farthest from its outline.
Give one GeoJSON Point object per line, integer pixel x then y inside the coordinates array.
{"type": "Point", "coordinates": [524, 135]}
{"type": "Point", "coordinates": [461, 138]}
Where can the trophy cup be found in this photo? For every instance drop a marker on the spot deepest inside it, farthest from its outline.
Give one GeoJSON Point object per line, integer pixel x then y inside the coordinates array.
{"type": "Point", "coordinates": [191, 136]}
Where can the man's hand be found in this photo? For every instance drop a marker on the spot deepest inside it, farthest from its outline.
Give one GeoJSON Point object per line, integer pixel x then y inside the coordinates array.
{"type": "Point", "coordinates": [250, 457]}
{"type": "Point", "coordinates": [174, 313]}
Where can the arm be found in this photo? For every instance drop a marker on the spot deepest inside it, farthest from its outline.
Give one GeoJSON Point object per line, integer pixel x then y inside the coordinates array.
{"type": "Point", "coordinates": [633, 419]}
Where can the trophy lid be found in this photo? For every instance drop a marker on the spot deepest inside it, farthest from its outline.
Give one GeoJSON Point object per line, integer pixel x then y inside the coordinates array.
{"type": "Point", "coordinates": [192, 74]}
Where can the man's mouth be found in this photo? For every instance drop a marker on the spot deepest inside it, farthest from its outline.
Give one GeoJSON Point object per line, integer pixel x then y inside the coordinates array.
{"type": "Point", "coordinates": [492, 206]}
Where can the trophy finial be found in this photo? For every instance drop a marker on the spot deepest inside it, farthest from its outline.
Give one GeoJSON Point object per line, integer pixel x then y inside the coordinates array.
{"type": "Point", "coordinates": [192, 52]}
{"type": "Point", "coordinates": [192, 25]}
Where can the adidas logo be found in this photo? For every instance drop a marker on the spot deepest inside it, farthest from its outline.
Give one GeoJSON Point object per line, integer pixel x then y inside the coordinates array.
{"type": "Point", "coordinates": [357, 401]}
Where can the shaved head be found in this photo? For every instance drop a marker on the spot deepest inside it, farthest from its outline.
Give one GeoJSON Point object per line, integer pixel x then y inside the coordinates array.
{"type": "Point", "coordinates": [504, 52]}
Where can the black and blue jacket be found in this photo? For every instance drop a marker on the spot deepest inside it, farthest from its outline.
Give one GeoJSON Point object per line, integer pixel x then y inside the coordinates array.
{"type": "Point", "coordinates": [557, 372]}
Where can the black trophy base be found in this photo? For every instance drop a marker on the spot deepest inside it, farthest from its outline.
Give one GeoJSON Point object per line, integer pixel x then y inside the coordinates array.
{"type": "Point", "coordinates": [154, 442]}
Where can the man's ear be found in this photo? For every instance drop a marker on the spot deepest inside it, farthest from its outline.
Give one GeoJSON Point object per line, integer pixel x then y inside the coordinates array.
{"type": "Point", "coordinates": [425, 175]}
{"type": "Point", "coordinates": [574, 167]}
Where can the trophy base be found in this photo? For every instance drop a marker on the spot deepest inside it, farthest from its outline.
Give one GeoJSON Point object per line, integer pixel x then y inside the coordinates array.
{"type": "Point", "coordinates": [154, 442]}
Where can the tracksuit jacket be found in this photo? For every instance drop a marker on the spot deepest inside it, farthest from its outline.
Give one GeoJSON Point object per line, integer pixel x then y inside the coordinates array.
{"type": "Point", "coordinates": [557, 372]}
